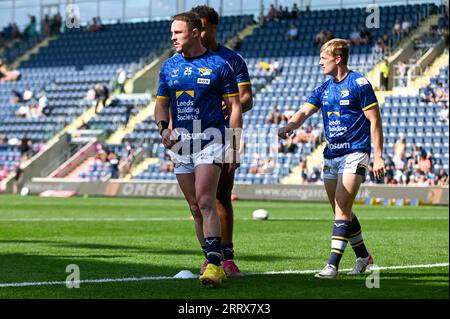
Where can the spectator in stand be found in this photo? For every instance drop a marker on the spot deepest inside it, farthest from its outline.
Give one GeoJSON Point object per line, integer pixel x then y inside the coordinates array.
{"type": "Point", "coordinates": [387, 43]}
{"type": "Point", "coordinates": [274, 68]}
{"type": "Point", "coordinates": [390, 171]}
{"type": "Point", "coordinates": [101, 95]}
{"type": "Point", "coordinates": [27, 94]}
{"type": "Point", "coordinates": [6, 75]}
{"type": "Point", "coordinates": [121, 78]}
{"type": "Point", "coordinates": [315, 135]}
{"type": "Point", "coordinates": [427, 94]}
{"type": "Point", "coordinates": [16, 97]}
{"type": "Point", "coordinates": [43, 101]}
{"type": "Point", "coordinates": [18, 179]}
{"type": "Point", "coordinates": [267, 166]}
{"type": "Point", "coordinates": [25, 148]}
{"type": "Point", "coordinates": [314, 178]}
{"type": "Point", "coordinates": [287, 145]}
{"type": "Point", "coordinates": [443, 114]}
{"type": "Point", "coordinates": [287, 114]}
{"type": "Point", "coordinates": [355, 38]}
{"type": "Point", "coordinates": [441, 93]}
{"type": "Point", "coordinates": [113, 160]}
{"type": "Point", "coordinates": [55, 24]}
{"type": "Point", "coordinates": [384, 75]}
{"type": "Point", "coordinates": [329, 35]}
{"type": "Point", "coordinates": [365, 35]}
{"type": "Point", "coordinates": [401, 73]}
{"type": "Point", "coordinates": [441, 178]}
{"type": "Point", "coordinates": [261, 166]}
{"type": "Point", "coordinates": [423, 181]}
{"type": "Point", "coordinates": [406, 26]}
{"type": "Point", "coordinates": [274, 116]}
{"type": "Point", "coordinates": [400, 148]}
{"type": "Point", "coordinates": [378, 50]}
{"type": "Point", "coordinates": [425, 163]}
{"type": "Point", "coordinates": [273, 14]}
{"type": "Point", "coordinates": [23, 111]}
{"type": "Point", "coordinates": [127, 161]}
{"type": "Point", "coordinates": [285, 12]}
{"type": "Point", "coordinates": [292, 33]}
{"type": "Point", "coordinates": [46, 25]}
{"type": "Point", "coordinates": [320, 38]}
{"type": "Point", "coordinates": [30, 29]}
{"type": "Point", "coordinates": [16, 32]}
{"type": "Point", "coordinates": [167, 165]}
{"type": "Point", "coordinates": [396, 31]}
{"type": "Point", "coordinates": [303, 171]}
{"type": "Point", "coordinates": [95, 26]}
{"type": "Point", "coordinates": [301, 136]}
{"type": "Point", "coordinates": [295, 12]}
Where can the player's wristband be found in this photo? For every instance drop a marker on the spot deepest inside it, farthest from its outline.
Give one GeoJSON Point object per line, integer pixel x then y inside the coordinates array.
{"type": "Point", "coordinates": [162, 125]}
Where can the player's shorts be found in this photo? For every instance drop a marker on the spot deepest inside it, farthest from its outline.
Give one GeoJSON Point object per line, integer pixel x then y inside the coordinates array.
{"type": "Point", "coordinates": [353, 163]}
{"type": "Point", "coordinates": [186, 164]}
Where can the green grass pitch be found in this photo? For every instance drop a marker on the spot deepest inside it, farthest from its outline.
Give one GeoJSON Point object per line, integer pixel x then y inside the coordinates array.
{"type": "Point", "coordinates": [114, 238]}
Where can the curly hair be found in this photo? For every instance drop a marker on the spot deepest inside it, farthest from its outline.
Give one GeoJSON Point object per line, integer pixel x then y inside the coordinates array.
{"type": "Point", "coordinates": [208, 13]}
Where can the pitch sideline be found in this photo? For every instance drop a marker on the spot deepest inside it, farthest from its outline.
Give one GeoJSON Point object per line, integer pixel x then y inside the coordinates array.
{"type": "Point", "coordinates": [149, 278]}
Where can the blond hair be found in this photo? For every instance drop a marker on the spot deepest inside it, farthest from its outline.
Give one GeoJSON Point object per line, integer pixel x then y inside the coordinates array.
{"type": "Point", "coordinates": [337, 47]}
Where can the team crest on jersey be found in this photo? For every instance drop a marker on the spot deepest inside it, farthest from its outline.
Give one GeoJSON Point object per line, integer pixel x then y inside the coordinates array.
{"type": "Point", "coordinates": [362, 81]}
{"type": "Point", "coordinates": [174, 72]}
{"type": "Point", "coordinates": [345, 93]}
{"type": "Point", "coordinates": [205, 71]}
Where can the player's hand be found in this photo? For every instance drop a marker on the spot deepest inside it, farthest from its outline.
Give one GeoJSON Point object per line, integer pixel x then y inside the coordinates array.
{"type": "Point", "coordinates": [226, 113]}
{"type": "Point", "coordinates": [168, 138]}
{"type": "Point", "coordinates": [285, 131]}
{"type": "Point", "coordinates": [379, 169]}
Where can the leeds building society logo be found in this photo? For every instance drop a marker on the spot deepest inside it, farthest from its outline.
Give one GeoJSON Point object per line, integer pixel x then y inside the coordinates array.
{"type": "Point", "coordinates": [337, 113]}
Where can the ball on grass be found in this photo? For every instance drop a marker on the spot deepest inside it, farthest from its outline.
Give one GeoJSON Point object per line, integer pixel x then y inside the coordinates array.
{"type": "Point", "coordinates": [260, 214]}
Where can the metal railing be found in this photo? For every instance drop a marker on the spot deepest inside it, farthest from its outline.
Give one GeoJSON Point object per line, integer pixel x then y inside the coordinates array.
{"type": "Point", "coordinates": [60, 159]}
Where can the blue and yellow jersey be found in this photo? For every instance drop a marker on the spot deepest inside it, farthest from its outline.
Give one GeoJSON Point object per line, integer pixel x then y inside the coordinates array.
{"type": "Point", "coordinates": [237, 63]}
{"type": "Point", "coordinates": [195, 87]}
{"type": "Point", "coordinates": [347, 130]}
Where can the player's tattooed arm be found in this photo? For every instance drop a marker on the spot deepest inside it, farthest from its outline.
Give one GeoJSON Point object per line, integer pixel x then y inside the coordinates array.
{"type": "Point", "coordinates": [297, 120]}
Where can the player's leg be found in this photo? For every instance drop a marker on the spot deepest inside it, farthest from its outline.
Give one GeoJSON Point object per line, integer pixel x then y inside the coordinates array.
{"type": "Point", "coordinates": [206, 180]}
{"type": "Point", "coordinates": [225, 211]}
{"type": "Point", "coordinates": [187, 185]}
{"type": "Point", "coordinates": [356, 240]}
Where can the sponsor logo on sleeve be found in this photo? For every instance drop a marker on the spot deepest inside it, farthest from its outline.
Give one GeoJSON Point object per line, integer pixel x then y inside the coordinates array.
{"type": "Point", "coordinates": [362, 81]}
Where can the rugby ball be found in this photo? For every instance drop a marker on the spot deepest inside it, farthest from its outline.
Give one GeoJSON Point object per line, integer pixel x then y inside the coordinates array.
{"type": "Point", "coordinates": [260, 214]}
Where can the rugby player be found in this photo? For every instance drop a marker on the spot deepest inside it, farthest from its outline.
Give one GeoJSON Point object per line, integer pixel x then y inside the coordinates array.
{"type": "Point", "coordinates": [210, 22]}
{"type": "Point", "coordinates": [351, 118]}
{"type": "Point", "coordinates": [193, 83]}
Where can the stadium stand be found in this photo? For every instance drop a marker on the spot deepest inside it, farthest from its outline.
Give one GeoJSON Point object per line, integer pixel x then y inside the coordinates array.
{"type": "Point", "coordinates": [74, 63]}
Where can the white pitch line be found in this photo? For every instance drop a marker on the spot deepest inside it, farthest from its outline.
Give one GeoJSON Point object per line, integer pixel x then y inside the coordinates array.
{"type": "Point", "coordinates": [163, 219]}
{"type": "Point", "coordinates": [150, 278]}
